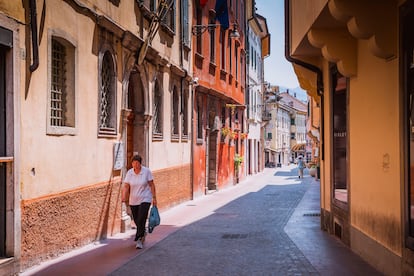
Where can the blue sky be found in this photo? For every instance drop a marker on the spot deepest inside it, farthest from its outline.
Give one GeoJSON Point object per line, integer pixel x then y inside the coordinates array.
{"type": "Point", "coordinates": [278, 71]}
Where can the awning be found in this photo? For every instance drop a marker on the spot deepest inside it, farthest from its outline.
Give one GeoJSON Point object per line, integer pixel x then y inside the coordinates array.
{"type": "Point", "coordinates": [298, 147]}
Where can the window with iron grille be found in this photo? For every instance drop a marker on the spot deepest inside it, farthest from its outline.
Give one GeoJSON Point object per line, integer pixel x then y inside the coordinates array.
{"type": "Point", "coordinates": [62, 87]}
{"type": "Point", "coordinates": [175, 114]}
{"type": "Point", "coordinates": [107, 93]}
{"type": "Point", "coordinates": [157, 119]}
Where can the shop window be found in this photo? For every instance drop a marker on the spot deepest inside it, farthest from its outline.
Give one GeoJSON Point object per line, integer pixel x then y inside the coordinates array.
{"type": "Point", "coordinates": [339, 113]}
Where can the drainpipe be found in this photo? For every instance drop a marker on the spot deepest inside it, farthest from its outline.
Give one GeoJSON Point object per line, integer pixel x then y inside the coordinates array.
{"type": "Point", "coordinates": [313, 68]}
{"type": "Point", "coordinates": [33, 26]}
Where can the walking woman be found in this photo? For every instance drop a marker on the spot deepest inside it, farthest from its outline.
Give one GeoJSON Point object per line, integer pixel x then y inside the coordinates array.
{"type": "Point", "coordinates": [139, 192]}
{"type": "Point", "coordinates": [301, 166]}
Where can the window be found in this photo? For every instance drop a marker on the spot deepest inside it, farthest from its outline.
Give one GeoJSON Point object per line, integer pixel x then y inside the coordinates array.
{"type": "Point", "coordinates": [199, 120]}
{"type": "Point", "coordinates": [236, 53]}
{"type": "Point", "coordinates": [157, 112]}
{"type": "Point", "coordinates": [149, 4]}
{"type": "Point", "coordinates": [184, 112]}
{"type": "Point", "coordinates": [107, 95]}
{"type": "Point", "coordinates": [212, 32]}
{"type": "Point", "coordinates": [61, 72]}
{"type": "Point", "coordinates": [175, 115]}
{"type": "Point", "coordinates": [199, 40]}
{"type": "Point", "coordinates": [339, 92]}
{"type": "Point", "coordinates": [223, 49]}
{"type": "Point", "coordinates": [169, 19]}
{"type": "Point", "coordinates": [186, 23]}
{"type": "Point", "coordinates": [230, 55]}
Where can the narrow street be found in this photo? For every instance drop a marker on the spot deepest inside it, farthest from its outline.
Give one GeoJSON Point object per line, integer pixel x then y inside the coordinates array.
{"type": "Point", "coordinates": [267, 225]}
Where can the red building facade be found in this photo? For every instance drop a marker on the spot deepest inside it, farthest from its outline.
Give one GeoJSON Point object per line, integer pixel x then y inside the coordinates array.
{"type": "Point", "coordinates": [219, 93]}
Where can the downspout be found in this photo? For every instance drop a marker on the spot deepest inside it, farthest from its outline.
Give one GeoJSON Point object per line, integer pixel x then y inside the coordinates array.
{"type": "Point", "coordinates": [311, 67]}
{"type": "Point", "coordinates": [33, 26]}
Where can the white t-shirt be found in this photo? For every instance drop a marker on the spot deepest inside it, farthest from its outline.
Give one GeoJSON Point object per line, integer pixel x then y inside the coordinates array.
{"type": "Point", "coordinates": [139, 189]}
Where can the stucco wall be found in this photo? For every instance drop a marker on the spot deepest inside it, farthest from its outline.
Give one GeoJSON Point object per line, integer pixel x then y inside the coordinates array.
{"type": "Point", "coordinates": [304, 13]}
{"type": "Point", "coordinates": [78, 159]}
{"type": "Point", "coordinates": [374, 129]}
{"type": "Point", "coordinates": [57, 223]}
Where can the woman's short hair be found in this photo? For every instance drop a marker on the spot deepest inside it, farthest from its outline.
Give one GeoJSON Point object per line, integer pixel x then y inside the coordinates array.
{"type": "Point", "coordinates": [137, 158]}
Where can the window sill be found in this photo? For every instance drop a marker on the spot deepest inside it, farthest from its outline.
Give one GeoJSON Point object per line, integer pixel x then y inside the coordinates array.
{"type": "Point", "coordinates": [156, 137]}
{"type": "Point", "coordinates": [61, 131]}
{"type": "Point", "coordinates": [212, 68]}
{"type": "Point", "coordinates": [223, 74]}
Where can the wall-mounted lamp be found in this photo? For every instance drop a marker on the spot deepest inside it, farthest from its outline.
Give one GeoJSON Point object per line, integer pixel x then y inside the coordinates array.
{"type": "Point", "coordinates": [200, 29]}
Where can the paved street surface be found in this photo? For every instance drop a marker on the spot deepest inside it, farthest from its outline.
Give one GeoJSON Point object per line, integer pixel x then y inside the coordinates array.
{"type": "Point", "coordinates": [267, 225]}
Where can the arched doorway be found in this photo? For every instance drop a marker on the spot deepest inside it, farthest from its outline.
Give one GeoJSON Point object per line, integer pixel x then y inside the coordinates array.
{"type": "Point", "coordinates": [136, 136]}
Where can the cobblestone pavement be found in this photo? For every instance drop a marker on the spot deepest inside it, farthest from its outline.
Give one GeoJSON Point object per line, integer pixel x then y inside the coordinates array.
{"type": "Point", "coordinates": [250, 236]}
{"type": "Point", "coordinates": [268, 224]}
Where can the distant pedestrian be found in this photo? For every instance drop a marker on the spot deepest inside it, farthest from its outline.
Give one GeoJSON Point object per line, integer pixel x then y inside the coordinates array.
{"type": "Point", "coordinates": [301, 166]}
{"type": "Point", "coordinates": [139, 191]}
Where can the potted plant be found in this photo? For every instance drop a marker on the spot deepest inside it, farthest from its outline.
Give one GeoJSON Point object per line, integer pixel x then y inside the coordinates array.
{"type": "Point", "coordinates": [225, 131]}
{"type": "Point", "coordinates": [237, 160]}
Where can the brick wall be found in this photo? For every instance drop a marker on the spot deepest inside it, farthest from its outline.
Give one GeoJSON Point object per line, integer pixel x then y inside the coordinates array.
{"type": "Point", "coordinates": [173, 186]}
{"type": "Point", "coordinates": [58, 223]}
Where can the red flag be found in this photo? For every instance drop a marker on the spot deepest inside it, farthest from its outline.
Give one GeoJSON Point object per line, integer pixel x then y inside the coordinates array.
{"type": "Point", "coordinates": [203, 2]}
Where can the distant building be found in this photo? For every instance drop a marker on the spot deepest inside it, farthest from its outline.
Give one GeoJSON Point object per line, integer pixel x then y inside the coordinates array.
{"type": "Point", "coordinates": [286, 131]}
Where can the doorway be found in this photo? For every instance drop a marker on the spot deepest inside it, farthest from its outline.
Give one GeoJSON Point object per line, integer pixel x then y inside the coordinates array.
{"type": "Point", "coordinates": [136, 137]}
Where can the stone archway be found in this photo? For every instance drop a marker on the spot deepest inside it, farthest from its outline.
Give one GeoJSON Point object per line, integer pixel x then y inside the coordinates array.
{"type": "Point", "coordinates": [137, 125]}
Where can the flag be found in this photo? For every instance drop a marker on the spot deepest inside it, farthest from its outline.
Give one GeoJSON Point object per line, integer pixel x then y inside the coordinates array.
{"type": "Point", "coordinates": [203, 2]}
{"type": "Point", "coordinates": [222, 13]}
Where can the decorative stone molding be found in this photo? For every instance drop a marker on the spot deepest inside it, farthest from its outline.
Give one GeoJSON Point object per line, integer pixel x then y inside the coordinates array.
{"type": "Point", "coordinates": [375, 21]}
{"type": "Point", "coordinates": [338, 46]}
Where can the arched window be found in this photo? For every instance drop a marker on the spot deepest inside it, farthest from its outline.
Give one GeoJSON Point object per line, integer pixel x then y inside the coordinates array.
{"type": "Point", "coordinates": [157, 120]}
{"type": "Point", "coordinates": [184, 112]}
{"type": "Point", "coordinates": [175, 113]}
{"type": "Point", "coordinates": [107, 95]}
{"type": "Point", "coordinates": [62, 109]}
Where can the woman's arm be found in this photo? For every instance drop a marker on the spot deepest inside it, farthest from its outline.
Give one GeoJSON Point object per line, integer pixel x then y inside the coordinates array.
{"type": "Point", "coordinates": [154, 195]}
{"type": "Point", "coordinates": [125, 192]}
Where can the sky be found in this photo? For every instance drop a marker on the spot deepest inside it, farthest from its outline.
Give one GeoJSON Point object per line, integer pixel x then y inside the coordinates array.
{"type": "Point", "coordinates": [277, 70]}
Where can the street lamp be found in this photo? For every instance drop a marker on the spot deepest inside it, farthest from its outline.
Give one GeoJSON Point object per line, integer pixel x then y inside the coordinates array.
{"type": "Point", "coordinates": [200, 29]}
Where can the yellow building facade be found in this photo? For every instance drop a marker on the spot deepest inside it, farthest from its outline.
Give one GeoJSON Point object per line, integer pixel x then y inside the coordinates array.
{"type": "Point", "coordinates": [84, 86]}
{"type": "Point", "coordinates": [355, 59]}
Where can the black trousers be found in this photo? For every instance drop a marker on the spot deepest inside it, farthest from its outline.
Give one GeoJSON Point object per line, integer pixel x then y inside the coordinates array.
{"type": "Point", "coordinates": [140, 215]}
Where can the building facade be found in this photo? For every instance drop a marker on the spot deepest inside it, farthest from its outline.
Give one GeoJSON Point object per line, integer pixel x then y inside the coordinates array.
{"type": "Point", "coordinates": [84, 86]}
{"type": "Point", "coordinates": [219, 85]}
{"type": "Point", "coordinates": [355, 58]}
{"type": "Point", "coordinates": [258, 50]}
{"type": "Point", "coordinates": [286, 132]}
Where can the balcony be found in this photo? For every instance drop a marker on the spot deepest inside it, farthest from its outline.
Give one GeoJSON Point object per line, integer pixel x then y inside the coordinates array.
{"type": "Point", "coordinates": [266, 116]}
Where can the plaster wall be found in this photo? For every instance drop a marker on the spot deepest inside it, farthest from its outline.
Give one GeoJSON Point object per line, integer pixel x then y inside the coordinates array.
{"type": "Point", "coordinates": [374, 133]}
{"type": "Point", "coordinates": [304, 14]}
{"type": "Point", "coordinates": [80, 159]}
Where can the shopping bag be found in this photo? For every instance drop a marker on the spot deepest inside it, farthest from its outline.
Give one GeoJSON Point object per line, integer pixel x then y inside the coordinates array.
{"type": "Point", "coordinates": [154, 219]}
